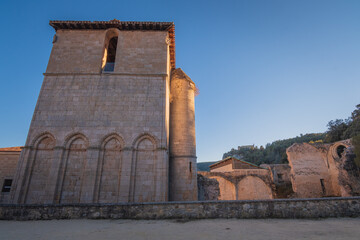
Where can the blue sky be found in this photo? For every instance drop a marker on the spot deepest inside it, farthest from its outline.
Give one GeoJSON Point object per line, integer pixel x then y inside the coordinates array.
{"type": "Point", "coordinates": [266, 70]}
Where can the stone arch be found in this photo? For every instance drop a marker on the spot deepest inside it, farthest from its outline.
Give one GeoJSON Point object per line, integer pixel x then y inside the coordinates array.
{"type": "Point", "coordinates": [253, 188]}
{"type": "Point", "coordinates": [144, 169]}
{"type": "Point", "coordinates": [110, 49]}
{"type": "Point", "coordinates": [42, 158]}
{"type": "Point", "coordinates": [40, 137]}
{"type": "Point", "coordinates": [111, 136]}
{"type": "Point", "coordinates": [73, 137]}
{"type": "Point", "coordinates": [75, 162]}
{"type": "Point", "coordinates": [335, 153]}
{"type": "Point", "coordinates": [142, 136]}
{"type": "Point", "coordinates": [110, 168]}
{"type": "Point", "coordinates": [227, 188]}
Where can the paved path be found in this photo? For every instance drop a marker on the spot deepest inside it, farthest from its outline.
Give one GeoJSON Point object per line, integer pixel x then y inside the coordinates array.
{"type": "Point", "coordinates": [341, 228]}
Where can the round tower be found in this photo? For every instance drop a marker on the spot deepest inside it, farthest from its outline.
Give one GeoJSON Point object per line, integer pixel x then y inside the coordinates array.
{"type": "Point", "coordinates": [183, 173]}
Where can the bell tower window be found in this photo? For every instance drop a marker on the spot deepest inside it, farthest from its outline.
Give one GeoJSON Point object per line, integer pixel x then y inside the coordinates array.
{"type": "Point", "coordinates": [108, 62]}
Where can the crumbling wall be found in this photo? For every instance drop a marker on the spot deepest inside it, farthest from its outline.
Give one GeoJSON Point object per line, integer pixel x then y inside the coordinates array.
{"type": "Point", "coordinates": [208, 189]}
{"type": "Point", "coordinates": [248, 184]}
{"type": "Point", "coordinates": [310, 175]}
{"type": "Point", "coordinates": [281, 176]}
{"type": "Point", "coordinates": [252, 187]}
{"type": "Point", "coordinates": [342, 166]}
{"type": "Point", "coordinates": [319, 170]}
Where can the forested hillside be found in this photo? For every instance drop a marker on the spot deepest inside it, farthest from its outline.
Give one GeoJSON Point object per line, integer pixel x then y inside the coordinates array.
{"type": "Point", "coordinates": [274, 152]}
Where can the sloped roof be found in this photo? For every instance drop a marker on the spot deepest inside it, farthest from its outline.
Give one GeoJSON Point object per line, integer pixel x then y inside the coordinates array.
{"type": "Point", "coordinates": [121, 25]}
{"type": "Point", "coordinates": [179, 73]}
{"type": "Point", "coordinates": [11, 149]}
{"type": "Point", "coordinates": [233, 158]}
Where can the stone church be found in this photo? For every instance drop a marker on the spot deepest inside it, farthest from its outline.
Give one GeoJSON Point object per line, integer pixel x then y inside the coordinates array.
{"type": "Point", "coordinates": [114, 121]}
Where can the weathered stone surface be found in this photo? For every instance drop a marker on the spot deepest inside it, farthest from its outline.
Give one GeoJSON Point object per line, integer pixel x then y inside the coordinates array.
{"type": "Point", "coordinates": [101, 135]}
{"type": "Point", "coordinates": [208, 189]}
{"type": "Point", "coordinates": [320, 170]}
{"type": "Point", "coordinates": [243, 184]}
{"type": "Point", "coordinates": [279, 208]}
{"type": "Point", "coordinates": [9, 158]}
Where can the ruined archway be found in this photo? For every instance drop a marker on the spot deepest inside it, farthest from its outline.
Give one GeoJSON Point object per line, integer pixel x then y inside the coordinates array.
{"type": "Point", "coordinates": [253, 188]}
{"type": "Point", "coordinates": [227, 188]}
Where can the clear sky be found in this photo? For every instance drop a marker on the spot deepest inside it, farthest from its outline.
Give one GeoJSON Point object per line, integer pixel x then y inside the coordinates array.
{"type": "Point", "coordinates": [266, 69]}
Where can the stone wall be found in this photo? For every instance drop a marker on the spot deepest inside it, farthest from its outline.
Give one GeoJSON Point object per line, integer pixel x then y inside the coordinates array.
{"type": "Point", "coordinates": [281, 175]}
{"type": "Point", "coordinates": [284, 208]}
{"type": "Point", "coordinates": [138, 52]}
{"type": "Point", "coordinates": [99, 137]}
{"type": "Point", "coordinates": [243, 184]}
{"type": "Point", "coordinates": [8, 163]}
{"type": "Point", "coordinates": [320, 170]}
{"type": "Point", "coordinates": [208, 188]}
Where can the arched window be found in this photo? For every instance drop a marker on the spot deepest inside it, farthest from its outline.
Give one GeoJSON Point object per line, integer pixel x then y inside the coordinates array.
{"type": "Point", "coordinates": [111, 40]}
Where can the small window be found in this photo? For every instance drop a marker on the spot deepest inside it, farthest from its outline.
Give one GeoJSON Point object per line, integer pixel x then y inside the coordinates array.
{"type": "Point", "coordinates": [340, 150]}
{"type": "Point", "coordinates": [110, 55]}
{"type": "Point", "coordinates": [323, 186]}
{"type": "Point", "coordinates": [190, 167]}
{"type": "Point", "coordinates": [7, 185]}
{"type": "Point", "coordinates": [280, 177]}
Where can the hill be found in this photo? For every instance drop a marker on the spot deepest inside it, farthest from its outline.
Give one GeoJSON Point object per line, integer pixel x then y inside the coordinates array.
{"type": "Point", "coordinates": [273, 153]}
{"type": "Point", "coordinates": [204, 166]}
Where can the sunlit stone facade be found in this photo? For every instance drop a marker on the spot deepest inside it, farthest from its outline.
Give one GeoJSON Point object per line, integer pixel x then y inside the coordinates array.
{"type": "Point", "coordinates": [104, 128]}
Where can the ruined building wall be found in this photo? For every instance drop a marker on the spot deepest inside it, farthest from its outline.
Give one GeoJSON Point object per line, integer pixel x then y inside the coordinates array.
{"type": "Point", "coordinates": [345, 174]}
{"type": "Point", "coordinates": [99, 137]}
{"type": "Point", "coordinates": [8, 163]}
{"type": "Point", "coordinates": [208, 189]}
{"type": "Point", "coordinates": [320, 170]}
{"type": "Point", "coordinates": [310, 176]}
{"type": "Point", "coordinates": [249, 184]}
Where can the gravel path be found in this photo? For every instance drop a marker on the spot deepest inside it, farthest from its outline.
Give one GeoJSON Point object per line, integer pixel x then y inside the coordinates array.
{"type": "Point", "coordinates": [340, 228]}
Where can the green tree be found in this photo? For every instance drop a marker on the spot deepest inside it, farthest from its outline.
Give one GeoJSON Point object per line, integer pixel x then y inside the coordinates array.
{"type": "Point", "coordinates": [336, 129]}
{"type": "Point", "coordinates": [356, 143]}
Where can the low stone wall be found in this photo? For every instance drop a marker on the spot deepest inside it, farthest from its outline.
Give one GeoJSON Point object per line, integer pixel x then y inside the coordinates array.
{"type": "Point", "coordinates": [278, 208]}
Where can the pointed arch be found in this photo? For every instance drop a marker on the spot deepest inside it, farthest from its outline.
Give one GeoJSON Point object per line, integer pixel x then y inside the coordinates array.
{"type": "Point", "coordinates": [40, 137]}
{"type": "Point", "coordinates": [110, 168]}
{"type": "Point", "coordinates": [39, 171]}
{"type": "Point", "coordinates": [144, 172]}
{"type": "Point", "coordinates": [76, 145]}
{"type": "Point", "coordinates": [112, 136]}
{"type": "Point", "coordinates": [69, 140]}
{"type": "Point", "coordinates": [143, 136]}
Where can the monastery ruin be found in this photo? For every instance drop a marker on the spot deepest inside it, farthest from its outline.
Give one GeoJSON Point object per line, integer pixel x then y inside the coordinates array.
{"type": "Point", "coordinates": [314, 171]}
{"type": "Point", "coordinates": [115, 123]}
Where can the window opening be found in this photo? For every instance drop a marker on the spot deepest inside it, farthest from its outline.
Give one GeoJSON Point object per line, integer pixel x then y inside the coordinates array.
{"type": "Point", "coordinates": [7, 185]}
{"type": "Point", "coordinates": [190, 166]}
{"type": "Point", "coordinates": [322, 186]}
{"type": "Point", "coordinates": [340, 150]}
{"type": "Point", "coordinates": [110, 54]}
{"type": "Point", "coordinates": [280, 177]}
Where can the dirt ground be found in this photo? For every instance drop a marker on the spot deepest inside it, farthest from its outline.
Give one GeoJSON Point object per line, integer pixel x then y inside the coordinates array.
{"type": "Point", "coordinates": [340, 228]}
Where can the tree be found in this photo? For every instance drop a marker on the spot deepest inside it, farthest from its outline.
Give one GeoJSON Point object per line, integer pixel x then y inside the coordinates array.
{"type": "Point", "coordinates": [336, 129]}
{"type": "Point", "coordinates": [356, 143]}
{"type": "Point", "coordinates": [356, 113]}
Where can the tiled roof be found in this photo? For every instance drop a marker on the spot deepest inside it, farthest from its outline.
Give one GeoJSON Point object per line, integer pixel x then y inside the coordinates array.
{"type": "Point", "coordinates": [122, 25]}
{"type": "Point", "coordinates": [11, 149]}
{"type": "Point", "coordinates": [230, 158]}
